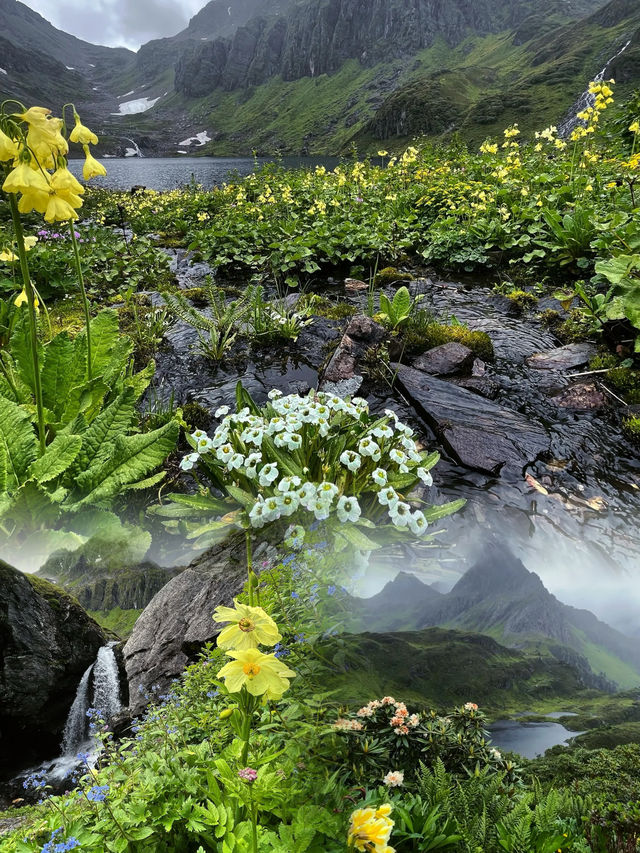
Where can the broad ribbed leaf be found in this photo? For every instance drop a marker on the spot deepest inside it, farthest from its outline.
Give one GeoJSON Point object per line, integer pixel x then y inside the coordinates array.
{"type": "Point", "coordinates": [113, 421]}
{"type": "Point", "coordinates": [134, 457]}
{"type": "Point", "coordinates": [190, 506]}
{"type": "Point", "coordinates": [148, 482]}
{"type": "Point", "coordinates": [83, 398]}
{"type": "Point", "coordinates": [20, 347]}
{"type": "Point", "coordinates": [57, 458]}
{"type": "Point", "coordinates": [401, 303]}
{"type": "Point", "coordinates": [34, 507]}
{"type": "Point", "coordinates": [385, 306]}
{"type": "Point", "coordinates": [118, 362]}
{"type": "Point", "coordinates": [18, 442]}
{"type": "Point", "coordinates": [58, 373]}
{"type": "Point", "coordinates": [357, 538]}
{"type": "Point", "coordinates": [104, 335]}
{"type": "Point", "coordinates": [3, 469]}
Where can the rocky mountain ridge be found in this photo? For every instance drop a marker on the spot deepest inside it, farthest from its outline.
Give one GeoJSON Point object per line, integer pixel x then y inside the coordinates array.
{"type": "Point", "coordinates": [500, 597]}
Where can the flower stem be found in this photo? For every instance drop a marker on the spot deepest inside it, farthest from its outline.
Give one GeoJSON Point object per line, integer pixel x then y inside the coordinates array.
{"type": "Point", "coordinates": [85, 301]}
{"type": "Point", "coordinates": [33, 322]}
{"type": "Point", "coordinates": [254, 825]}
{"type": "Point", "coordinates": [250, 574]}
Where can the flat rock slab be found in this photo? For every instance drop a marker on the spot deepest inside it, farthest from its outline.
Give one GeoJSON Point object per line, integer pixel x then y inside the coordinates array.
{"type": "Point", "coordinates": [361, 334]}
{"type": "Point", "coordinates": [450, 359]}
{"type": "Point", "coordinates": [479, 433]}
{"type": "Point", "coordinates": [562, 358]}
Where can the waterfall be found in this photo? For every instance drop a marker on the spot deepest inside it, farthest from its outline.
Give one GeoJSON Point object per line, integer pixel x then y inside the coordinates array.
{"type": "Point", "coordinates": [106, 683]}
{"type": "Point", "coordinates": [586, 99]}
{"type": "Point", "coordinates": [132, 152]}
{"type": "Point", "coordinates": [103, 688]}
{"type": "Point", "coordinates": [76, 725]}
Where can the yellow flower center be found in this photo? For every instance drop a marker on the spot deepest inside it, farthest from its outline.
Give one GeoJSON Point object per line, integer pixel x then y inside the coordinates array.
{"type": "Point", "coordinates": [251, 669]}
{"type": "Point", "coordinates": [246, 625]}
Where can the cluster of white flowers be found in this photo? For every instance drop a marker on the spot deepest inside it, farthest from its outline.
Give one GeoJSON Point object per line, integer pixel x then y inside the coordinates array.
{"type": "Point", "coordinates": [297, 424]}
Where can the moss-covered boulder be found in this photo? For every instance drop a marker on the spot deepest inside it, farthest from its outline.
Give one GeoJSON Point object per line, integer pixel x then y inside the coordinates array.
{"type": "Point", "coordinates": [46, 643]}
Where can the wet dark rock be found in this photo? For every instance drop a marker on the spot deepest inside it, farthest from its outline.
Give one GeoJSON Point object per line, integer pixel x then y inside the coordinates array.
{"type": "Point", "coordinates": [563, 358]}
{"type": "Point", "coordinates": [482, 385]}
{"type": "Point", "coordinates": [585, 396]}
{"type": "Point", "coordinates": [46, 643]}
{"type": "Point", "coordinates": [479, 434]}
{"type": "Point", "coordinates": [479, 368]}
{"type": "Point", "coordinates": [361, 334]}
{"type": "Point", "coordinates": [317, 340]}
{"type": "Point", "coordinates": [446, 360]}
{"type": "Point", "coordinates": [177, 623]}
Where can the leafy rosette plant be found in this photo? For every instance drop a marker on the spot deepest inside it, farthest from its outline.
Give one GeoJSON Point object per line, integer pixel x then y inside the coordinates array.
{"type": "Point", "coordinates": [317, 456]}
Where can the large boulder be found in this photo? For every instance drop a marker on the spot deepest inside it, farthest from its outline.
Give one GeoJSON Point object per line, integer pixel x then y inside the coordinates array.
{"type": "Point", "coordinates": [361, 334]}
{"type": "Point", "coordinates": [177, 623]}
{"type": "Point", "coordinates": [46, 643]}
{"type": "Point", "coordinates": [452, 359]}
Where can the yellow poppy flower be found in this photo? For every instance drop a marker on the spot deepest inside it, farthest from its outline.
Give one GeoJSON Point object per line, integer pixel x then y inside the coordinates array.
{"type": "Point", "coordinates": [82, 134]}
{"type": "Point", "coordinates": [262, 675]}
{"type": "Point", "coordinates": [8, 148]}
{"type": "Point", "coordinates": [92, 168]}
{"type": "Point", "coordinates": [250, 627]}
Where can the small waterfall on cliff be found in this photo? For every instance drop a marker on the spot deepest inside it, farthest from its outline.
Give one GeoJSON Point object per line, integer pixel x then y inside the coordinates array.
{"type": "Point", "coordinates": [106, 683]}
{"type": "Point", "coordinates": [99, 688]}
{"type": "Point", "coordinates": [76, 725]}
{"type": "Point", "coordinates": [132, 152]}
{"type": "Point", "coordinates": [586, 99]}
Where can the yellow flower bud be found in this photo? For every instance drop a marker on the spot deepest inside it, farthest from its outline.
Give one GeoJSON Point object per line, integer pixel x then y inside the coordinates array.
{"type": "Point", "coordinates": [224, 715]}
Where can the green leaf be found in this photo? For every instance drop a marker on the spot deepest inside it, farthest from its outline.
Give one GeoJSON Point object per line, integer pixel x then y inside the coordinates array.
{"type": "Point", "coordinates": [20, 348]}
{"type": "Point", "coordinates": [18, 442]}
{"type": "Point", "coordinates": [401, 303]}
{"type": "Point", "coordinates": [357, 538]}
{"type": "Point", "coordinates": [58, 373]}
{"type": "Point", "coordinates": [133, 457]}
{"type": "Point", "coordinates": [113, 421]}
{"type": "Point", "coordinates": [3, 469]}
{"type": "Point", "coordinates": [57, 458]}
{"type": "Point", "coordinates": [185, 506]}
{"type": "Point", "coordinates": [243, 498]}
{"type": "Point", "coordinates": [385, 306]}
{"type": "Point", "coordinates": [104, 335]}
{"type": "Point", "coordinates": [435, 513]}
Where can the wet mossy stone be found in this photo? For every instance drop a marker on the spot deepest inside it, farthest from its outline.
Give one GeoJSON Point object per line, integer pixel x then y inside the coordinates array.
{"type": "Point", "coordinates": [391, 275]}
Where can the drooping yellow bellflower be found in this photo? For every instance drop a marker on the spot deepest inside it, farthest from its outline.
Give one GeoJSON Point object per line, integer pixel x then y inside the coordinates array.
{"type": "Point", "coordinates": [92, 168]}
{"type": "Point", "coordinates": [82, 134]}
{"type": "Point", "coordinates": [8, 148]}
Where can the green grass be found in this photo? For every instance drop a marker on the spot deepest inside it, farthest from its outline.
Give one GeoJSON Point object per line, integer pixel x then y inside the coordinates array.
{"type": "Point", "coordinates": [116, 621]}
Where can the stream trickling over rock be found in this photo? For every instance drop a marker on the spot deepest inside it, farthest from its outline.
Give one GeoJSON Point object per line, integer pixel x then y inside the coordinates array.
{"type": "Point", "coordinates": [565, 492]}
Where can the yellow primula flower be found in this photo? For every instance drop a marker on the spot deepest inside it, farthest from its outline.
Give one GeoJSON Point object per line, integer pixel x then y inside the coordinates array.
{"type": "Point", "coordinates": [7, 256]}
{"type": "Point", "coordinates": [250, 627]}
{"type": "Point", "coordinates": [8, 148]}
{"type": "Point", "coordinates": [29, 242]}
{"type": "Point", "coordinates": [21, 299]}
{"type": "Point", "coordinates": [634, 128]}
{"type": "Point", "coordinates": [370, 830]}
{"type": "Point", "coordinates": [92, 168]}
{"type": "Point", "coordinates": [262, 675]}
{"type": "Point", "coordinates": [82, 134]}
{"type": "Point", "coordinates": [60, 208]}
{"type": "Point", "coordinates": [63, 181]}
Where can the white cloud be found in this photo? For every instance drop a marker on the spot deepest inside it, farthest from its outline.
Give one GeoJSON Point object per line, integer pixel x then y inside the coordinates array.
{"type": "Point", "coordinates": [118, 23]}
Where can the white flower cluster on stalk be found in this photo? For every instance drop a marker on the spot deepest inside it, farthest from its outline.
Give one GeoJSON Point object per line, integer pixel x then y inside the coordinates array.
{"type": "Point", "coordinates": [320, 453]}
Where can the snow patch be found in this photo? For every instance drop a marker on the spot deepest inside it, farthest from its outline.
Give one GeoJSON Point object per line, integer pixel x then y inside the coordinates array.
{"type": "Point", "coordinates": [199, 138]}
{"type": "Point", "coordinates": [2, 71]}
{"type": "Point", "coordinates": [130, 152]}
{"type": "Point", "coordinates": [182, 152]}
{"type": "Point", "coordinates": [91, 65]}
{"type": "Point", "coordinates": [139, 105]}
{"type": "Point", "coordinates": [69, 67]}
{"type": "Point", "coordinates": [126, 94]}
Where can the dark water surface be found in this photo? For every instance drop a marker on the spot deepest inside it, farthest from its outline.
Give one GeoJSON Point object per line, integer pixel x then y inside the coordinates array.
{"type": "Point", "coordinates": [528, 739]}
{"type": "Point", "coordinates": [167, 173]}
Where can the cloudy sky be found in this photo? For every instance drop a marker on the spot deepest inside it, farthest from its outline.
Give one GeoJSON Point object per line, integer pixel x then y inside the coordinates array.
{"type": "Point", "coordinates": [127, 23]}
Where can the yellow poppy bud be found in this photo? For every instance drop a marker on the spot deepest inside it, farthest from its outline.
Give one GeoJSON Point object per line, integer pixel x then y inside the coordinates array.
{"type": "Point", "coordinates": [82, 134]}
{"type": "Point", "coordinates": [92, 168]}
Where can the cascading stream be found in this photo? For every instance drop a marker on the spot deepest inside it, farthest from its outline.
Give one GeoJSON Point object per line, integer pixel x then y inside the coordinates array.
{"type": "Point", "coordinates": [106, 683]}
{"type": "Point", "coordinates": [76, 725]}
{"type": "Point", "coordinates": [586, 100]}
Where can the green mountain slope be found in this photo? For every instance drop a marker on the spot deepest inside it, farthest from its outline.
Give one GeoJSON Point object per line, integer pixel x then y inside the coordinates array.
{"type": "Point", "coordinates": [500, 598]}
